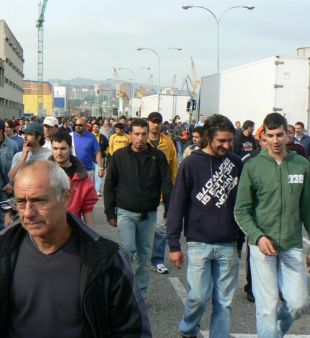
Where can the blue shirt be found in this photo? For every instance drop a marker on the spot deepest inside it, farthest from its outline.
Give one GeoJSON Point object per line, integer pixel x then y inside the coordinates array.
{"type": "Point", "coordinates": [8, 149]}
{"type": "Point", "coordinates": [86, 147]}
{"type": "Point", "coordinates": [19, 140]}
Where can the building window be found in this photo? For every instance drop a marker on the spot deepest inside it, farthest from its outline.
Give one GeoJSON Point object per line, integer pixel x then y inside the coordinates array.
{"type": "Point", "coordinates": [1, 77]}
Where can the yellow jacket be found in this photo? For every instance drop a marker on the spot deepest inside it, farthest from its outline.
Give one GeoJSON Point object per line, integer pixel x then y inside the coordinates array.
{"type": "Point", "coordinates": [167, 146]}
{"type": "Point", "coordinates": [117, 142]}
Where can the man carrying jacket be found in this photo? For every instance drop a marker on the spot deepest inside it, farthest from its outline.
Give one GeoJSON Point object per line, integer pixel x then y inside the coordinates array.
{"type": "Point", "coordinates": [202, 202]}
{"type": "Point", "coordinates": [59, 278]}
{"type": "Point", "coordinates": [136, 176]}
{"type": "Point", "coordinates": [272, 204]}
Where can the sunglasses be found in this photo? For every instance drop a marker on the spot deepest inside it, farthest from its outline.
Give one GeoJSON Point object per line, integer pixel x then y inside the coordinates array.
{"type": "Point", "coordinates": [79, 125]}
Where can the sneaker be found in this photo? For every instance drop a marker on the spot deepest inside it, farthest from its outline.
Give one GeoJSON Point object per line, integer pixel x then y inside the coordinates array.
{"type": "Point", "coordinates": [160, 268]}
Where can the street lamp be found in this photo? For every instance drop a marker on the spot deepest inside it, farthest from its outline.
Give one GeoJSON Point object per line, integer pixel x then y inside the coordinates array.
{"type": "Point", "coordinates": [218, 20]}
{"type": "Point", "coordinates": [159, 59]}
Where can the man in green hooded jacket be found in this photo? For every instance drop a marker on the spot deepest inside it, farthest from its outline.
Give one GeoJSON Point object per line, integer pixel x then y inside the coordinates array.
{"type": "Point", "coordinates": [272, 204]}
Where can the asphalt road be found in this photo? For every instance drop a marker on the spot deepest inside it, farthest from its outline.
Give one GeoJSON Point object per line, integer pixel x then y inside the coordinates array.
{"type": "Point", "coordinates": [167, 294]}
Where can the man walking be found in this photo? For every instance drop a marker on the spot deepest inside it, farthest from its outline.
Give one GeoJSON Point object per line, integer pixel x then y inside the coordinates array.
{"type": "Point", "coordinates": [33, 148]}
{"type": "Point", "coordinates": [164, 143]}
{"type": "Point", "coordinates": [58, 277]}
{"type": "Point", "coordinates": [203, 199]}
{"type": "Point", "coordinates": [85, 147]}
{"type": "Point", "coordinates": [83, 193]}
{"type": "Point", "coordinates": [272, 204]}
{"type": "Point", "coordinates": [137, 174]}
{"type": "Point", "coordinates": [50, 125]}
{"type": "Point", "coordinates": [8, 148]}
{"type": "Point", "coordinates": [244, 142]}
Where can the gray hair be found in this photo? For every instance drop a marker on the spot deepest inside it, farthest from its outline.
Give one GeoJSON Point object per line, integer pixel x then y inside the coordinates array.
{"type": "Point", "coordinates": [58, 179]}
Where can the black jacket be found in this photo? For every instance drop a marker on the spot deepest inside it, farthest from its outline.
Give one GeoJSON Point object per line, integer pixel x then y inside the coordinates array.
{"type": "Point", "coordinates": [110, 306]}
{"type": "Point", "coordinates": [204, 197]}
{"type": "Point", "coordinates": [128, 188]}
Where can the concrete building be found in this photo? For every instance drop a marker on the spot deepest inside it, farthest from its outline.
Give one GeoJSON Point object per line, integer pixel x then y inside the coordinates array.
{"type": "Point", "coordinates": [11, 73]}
{"type": "Point", "coordinates": [31, 97]}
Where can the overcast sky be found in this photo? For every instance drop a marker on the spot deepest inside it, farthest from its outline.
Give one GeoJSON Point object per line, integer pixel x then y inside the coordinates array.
{"type": "Point", "coordinates": [89, 38]}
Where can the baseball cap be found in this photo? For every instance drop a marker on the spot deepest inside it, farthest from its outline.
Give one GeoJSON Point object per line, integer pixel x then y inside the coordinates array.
{"type": "Point", "coordinates": [34, 128]}
{"type": "Point", "coordinates": [155, 116]}
{"type": "Point", "coordinates": [51, 121]}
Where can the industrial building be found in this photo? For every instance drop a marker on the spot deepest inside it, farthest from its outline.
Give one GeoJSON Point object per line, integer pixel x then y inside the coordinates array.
{"type": "Point", "coordinates": [11, 74]}
{"type": "Point", "coordinates": [31, 91]}
{"type": "Point", "coordinates": [60, 100]}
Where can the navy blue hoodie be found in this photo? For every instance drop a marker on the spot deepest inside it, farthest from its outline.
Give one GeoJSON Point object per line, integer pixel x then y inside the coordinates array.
{"type": "Point", "coordinates": [204, 197]}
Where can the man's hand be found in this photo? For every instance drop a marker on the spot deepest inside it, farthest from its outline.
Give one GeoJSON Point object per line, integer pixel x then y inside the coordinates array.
{"type": "Point", "coordinates": [266, 247]}
{"type": "Point", "coordinates": [100, 172]}
{"type": "Point", "coordinates": [113, 222]}
{"type": "Point", "coordinates": [308, 261]}
{"type": "Point", "coordinates": [25, 151]}
{"type": "Point", "coordinates": [177, 258]}
{"type": "Point", "coordinates": [8, 188]}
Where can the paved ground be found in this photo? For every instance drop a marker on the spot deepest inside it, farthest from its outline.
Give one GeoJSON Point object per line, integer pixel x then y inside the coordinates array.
{"type": "Point", "coordinates": [167, 292]}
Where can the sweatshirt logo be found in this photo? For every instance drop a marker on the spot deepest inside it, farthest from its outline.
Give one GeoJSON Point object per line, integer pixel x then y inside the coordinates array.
{"type": "Point", "coordinates": [219, 185]}
{"type": "Point", "coordinates": [295, 178]}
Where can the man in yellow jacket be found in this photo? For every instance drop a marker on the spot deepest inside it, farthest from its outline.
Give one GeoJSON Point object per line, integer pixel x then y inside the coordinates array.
{"type": "Point", "coordinates": [165, 144]}
{"type": "Point", "coordinates": [119, 139]}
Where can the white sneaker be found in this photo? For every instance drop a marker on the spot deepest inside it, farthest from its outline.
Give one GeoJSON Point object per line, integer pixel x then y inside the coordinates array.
{"type": "Point", "coordinates": [160, 268]}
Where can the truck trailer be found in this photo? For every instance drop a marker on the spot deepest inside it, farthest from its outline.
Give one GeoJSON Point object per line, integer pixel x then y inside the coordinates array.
{"type": "Point", "coordinates": [251, 91]}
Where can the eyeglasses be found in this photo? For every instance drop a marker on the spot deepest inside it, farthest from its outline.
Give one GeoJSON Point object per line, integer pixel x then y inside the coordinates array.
{"type": "Point", "coordinates": [79, 125]}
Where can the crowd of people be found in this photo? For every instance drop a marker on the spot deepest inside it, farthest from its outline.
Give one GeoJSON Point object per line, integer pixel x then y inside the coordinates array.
{"type": "Point", "coordinates": [218, 184]}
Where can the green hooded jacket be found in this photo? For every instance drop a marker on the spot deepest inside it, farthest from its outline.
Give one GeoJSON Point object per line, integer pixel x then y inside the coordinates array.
{"type": "Point", "coordinates": [274, 200]}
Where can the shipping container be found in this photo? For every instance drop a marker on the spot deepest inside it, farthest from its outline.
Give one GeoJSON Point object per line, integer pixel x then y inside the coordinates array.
{"type": "Point", "coordinates": [251, 91]}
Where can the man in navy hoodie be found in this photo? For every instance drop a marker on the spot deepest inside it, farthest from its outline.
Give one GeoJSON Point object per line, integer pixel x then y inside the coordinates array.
{"type": "Point", "coordinates": [203, 200]}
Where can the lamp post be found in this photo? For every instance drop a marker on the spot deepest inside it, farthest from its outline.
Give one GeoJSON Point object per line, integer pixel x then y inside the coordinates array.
{"type": "Point", "coordinates": [159, 60]}
{"type": "Point", "coordinates": [218, 20]}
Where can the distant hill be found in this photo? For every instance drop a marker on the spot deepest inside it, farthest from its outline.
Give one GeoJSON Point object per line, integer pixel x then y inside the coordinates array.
{"type": "Point", "coordinates": [78, 81]}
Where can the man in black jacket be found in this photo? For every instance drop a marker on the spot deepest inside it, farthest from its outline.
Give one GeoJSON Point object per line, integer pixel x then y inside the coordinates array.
{"type": "Point", "coordinates": [137, 174]}
{"type": "Point", "coordinates": [244, 142]}
{"type": "Point", "coordinates": [202, 201]}
{"type": "Point", "coordinates": [59, 278]}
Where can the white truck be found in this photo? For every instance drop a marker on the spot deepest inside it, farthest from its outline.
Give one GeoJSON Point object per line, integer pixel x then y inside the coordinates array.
{"type": "Point", "coordinates": [170, 106]}
{"type": "Point", "coordinates": [251, 91]}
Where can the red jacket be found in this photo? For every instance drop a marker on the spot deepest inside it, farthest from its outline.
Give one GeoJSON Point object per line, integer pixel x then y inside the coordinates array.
{"type": "Point", "coordinates": [83, 195]}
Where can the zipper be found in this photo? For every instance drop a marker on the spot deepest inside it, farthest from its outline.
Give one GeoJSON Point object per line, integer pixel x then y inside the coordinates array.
{"type": "Point", "coordinates": [86, 314]}
{"type": "Point", "coordinates": [281, 200]}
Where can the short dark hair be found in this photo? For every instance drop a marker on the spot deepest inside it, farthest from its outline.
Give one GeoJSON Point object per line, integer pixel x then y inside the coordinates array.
{"type": "Point", "coordinates": [119, 126]}
{"type": "Point", "coordinates": [60, 136]}
{"type": "Point", "coordinates": [274, 121]}
{"type": "Point", "coordinates": [216, 123]}
{"type": "Point", "coordinates": [200, 130]}
{"type": "Point", "coordinates": [10, 123]}
{"type": "Point", "coordinates": [300, 124]}
{"type": "Point", "coordinates": [248, 124]}
{"type": "Point", "coordinates": [139, 123]}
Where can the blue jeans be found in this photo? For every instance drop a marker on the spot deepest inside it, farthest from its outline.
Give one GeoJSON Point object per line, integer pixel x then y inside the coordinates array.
{"type": "Point", "coordinates": [180, 150]}
{"type": "Point", "coordinates": [212, 273]}
{"type": "Point", "coordinates": [160, 238]}
{"type": "Point", "coordinates": [285, 272]}
{"type": "Point", "coordinates": [97, 179]}
{"type": "Point", "coordinates": [136, 234]}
